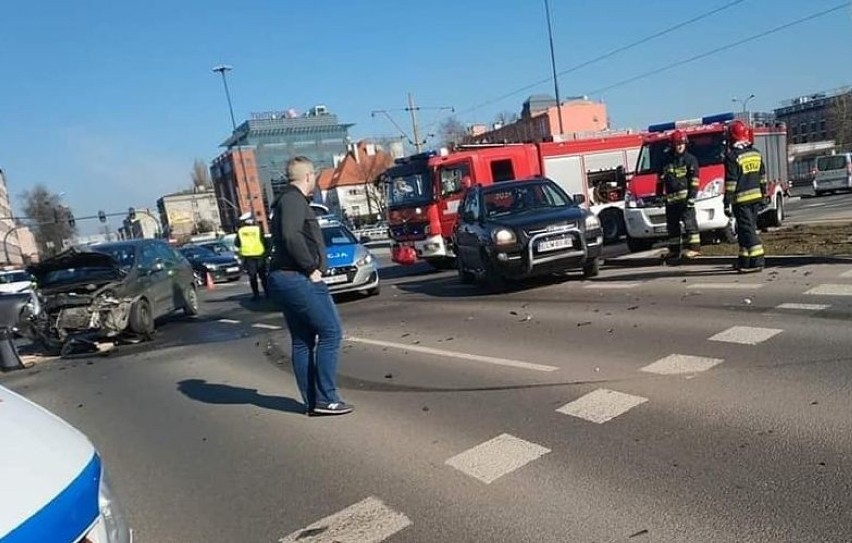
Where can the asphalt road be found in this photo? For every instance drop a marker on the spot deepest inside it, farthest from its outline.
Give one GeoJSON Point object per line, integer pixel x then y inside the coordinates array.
{"type": "Point", "coordinates": [832, 207]}
{"type": "Point", "coordinates": [656, 404]}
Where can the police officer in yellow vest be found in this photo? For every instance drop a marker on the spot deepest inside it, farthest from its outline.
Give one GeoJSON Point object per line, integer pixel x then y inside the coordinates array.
{"type": "Point", "coordinates": [252, 250]}
{"type": "Point", "coordinates": [745, 191]}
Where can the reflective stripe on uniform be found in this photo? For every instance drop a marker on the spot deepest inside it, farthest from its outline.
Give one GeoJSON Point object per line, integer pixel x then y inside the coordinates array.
{"type": "Point", "coordinates": [677, 196]}
{"type": "Point", "coordinates": [250, 242]}
{"type": "Point", "coordinates": [749, 196]}
{"type": "Point", "coordinates": [750, 162]}
{"type": "Point", "coordinates": [757, 250]}
{"type": "Point", "coordinates": [694, 239]}
{"type": "Point", "coordinates": [743, 251]}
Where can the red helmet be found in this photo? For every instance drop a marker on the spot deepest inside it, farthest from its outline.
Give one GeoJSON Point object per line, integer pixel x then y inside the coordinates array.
{"type": "Point", "coordinates": [738, 131]}
{"type": "Point", "coordinates": [678, 137]}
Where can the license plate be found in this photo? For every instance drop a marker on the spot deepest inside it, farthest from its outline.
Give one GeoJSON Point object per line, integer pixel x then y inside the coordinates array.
{"type": "Point", "coordinates": [234, 269]}
{"type": "Point", "coordinates": [555, 244]}
{"type": "Point", "coordinates": [333, 279]}
{"type": "Point", "coordinates": [660, 229]}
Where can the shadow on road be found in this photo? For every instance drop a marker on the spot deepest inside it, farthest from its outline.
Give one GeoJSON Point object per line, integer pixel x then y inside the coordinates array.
{"type": "Point", "coordinates": [202, 391]}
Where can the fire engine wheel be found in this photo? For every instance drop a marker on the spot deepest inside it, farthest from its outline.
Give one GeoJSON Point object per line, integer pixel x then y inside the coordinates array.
{"type": "Point", "coordinates": [612, 224]}
{"type": "Point", "coordinates": [777, 218]}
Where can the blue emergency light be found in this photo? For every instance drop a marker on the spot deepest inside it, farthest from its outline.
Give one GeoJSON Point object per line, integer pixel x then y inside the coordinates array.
{"type": "Point", "coordinates": [709, 119]}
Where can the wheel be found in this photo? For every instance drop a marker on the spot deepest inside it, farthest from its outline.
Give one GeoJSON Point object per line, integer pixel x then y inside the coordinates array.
{"type": "Point", "coordinates": [142, 319]}
{"type": "Point", "coordinates": [819, 193]}
{"type": "Point", "coordinates": [637, 245]}
{"type": "Point", "coordinates": [190, 301]}
{"type": "Point", "coordinates": [495, 281]}
{"type": "Point", "coordinates": [374, 291]}
{"type": "Point", "coordinates": [592, 269]}
{"type": "Point", "coordinates": [465, 277]}
{"type": "Point", "coordinates": [612, 224]}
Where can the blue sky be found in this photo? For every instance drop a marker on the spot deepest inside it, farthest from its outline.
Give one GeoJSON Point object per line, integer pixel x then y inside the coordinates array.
{"type": "Point", "coordinates": [110, 102]}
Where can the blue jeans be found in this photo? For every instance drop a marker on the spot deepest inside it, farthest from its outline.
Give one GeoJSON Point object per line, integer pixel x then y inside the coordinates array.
{"type": "Point", "coordinates": [315, 333]}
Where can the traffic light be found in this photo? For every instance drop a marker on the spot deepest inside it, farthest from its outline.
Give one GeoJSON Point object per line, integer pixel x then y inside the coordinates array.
{"type": "Point", "coordinates": [101, 216]}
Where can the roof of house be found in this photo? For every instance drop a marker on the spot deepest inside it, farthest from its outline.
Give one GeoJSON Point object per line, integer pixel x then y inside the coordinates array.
{"type": "Point", "coordinates": [324, 178]}
{"type": "Point", "coordinates": [358, 171]}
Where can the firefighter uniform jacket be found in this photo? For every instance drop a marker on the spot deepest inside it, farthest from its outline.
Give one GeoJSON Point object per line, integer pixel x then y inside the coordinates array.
{"type": "Point", "coordinates": [680, 178]}
{"type": "Point", "coordinates": [745, 176]}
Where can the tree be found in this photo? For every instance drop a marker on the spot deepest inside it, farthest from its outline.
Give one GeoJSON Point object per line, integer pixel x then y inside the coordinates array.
{"type": "Point", "coordinates": [506, 117]}
{"type": "Point", "coordinates": [451, 131]}
{"type": "Point", "coordinates": [51, 219]}
{"type": "Point", "coordinates": [840, 120]}
{"type": "Point", "coordinates": [200, 176]}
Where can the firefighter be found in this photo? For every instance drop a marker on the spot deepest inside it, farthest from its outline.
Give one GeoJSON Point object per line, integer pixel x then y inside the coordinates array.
{"type": "Point", "coordinates": [745, 194]}
{"type": "Point", "coordinates": [250, 244]}
{"type": "Point", "coordinates": [679, 180]}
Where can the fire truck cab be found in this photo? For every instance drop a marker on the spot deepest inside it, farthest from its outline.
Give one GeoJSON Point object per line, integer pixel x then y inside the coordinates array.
{"type": "Point", "coordinates": [645, 213]}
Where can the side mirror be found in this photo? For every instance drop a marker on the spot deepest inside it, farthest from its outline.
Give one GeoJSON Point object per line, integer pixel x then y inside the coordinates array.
{"type": "Point", "coordinates": [579, 199]}
{"type": "Point", "coordinates": [364, 239]}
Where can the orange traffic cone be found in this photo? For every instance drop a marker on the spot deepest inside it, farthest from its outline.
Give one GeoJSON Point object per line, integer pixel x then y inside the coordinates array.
{"type": "Point", "coordinates": [210, 284]}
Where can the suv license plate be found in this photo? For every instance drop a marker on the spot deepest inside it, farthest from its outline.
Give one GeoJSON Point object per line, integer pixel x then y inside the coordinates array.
{"type": "Point", "coordinates": [554, 245]}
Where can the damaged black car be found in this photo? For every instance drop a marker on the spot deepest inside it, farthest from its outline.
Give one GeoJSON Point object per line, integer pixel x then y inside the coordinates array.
{"type": "Point", "coordinates": [108, 291]}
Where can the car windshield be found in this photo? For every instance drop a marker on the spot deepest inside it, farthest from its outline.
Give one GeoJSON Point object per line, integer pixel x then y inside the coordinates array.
{"type": "Point", "coordinates": [828, 163]}
{"type": "Point", "coordinates": [14, 277]}
{"type": "Point", "coordinates": [125, 255]}
{"type": "Point", "coordinates": [197, 253]}
{"type": "Point", "coordinates": [708, 149]}
{"type": "Point", "coordinates": [410, 189]}
{"type": "Point", "coordinates": [337, 235]}
{"type": "Point", "coordinates": [523, 198]}
{"type": "Point", "coordinates": [218, 248]}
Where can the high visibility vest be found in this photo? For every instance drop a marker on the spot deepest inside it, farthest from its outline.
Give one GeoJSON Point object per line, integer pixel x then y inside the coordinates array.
{"type": "Point", "coordinates": [251, 243]}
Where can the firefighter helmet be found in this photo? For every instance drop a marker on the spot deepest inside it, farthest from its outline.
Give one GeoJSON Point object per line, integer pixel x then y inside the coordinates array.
{"type": "Point", "coordinates": [738, 131]}
{"type": "Point", "coordinates": [678, 137]}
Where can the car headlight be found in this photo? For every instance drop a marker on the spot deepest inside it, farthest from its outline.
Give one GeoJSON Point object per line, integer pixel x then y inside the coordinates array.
{"type": "Point", "coordinates": [365, 260]}
{"type": "Point", "coordinates": [111, 526]}
{"type": "Point", "coordinates": [592, 222]}
{"type": "Point", "coordinates": [211, 267]}
{"type": "Point", "coordinates": [712, 189]}
{"type": "Point", "coordinates": [503, 236]}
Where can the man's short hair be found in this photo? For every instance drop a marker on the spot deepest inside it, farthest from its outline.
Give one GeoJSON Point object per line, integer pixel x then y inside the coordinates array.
{"type": "Point", "coordinates": [298, 167]}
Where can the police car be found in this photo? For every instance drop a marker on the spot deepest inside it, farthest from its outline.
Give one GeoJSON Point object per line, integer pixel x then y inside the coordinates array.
{"type": "Point", "coordinates": [53, 486]}
{"type": "Point", "coordinates": [351, 266]}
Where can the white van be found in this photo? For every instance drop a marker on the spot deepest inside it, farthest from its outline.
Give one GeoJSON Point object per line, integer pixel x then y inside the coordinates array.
{"type": "Point", "coordinates": [833, 172]}
{"type": "Point", "coordinates": [52, 484]}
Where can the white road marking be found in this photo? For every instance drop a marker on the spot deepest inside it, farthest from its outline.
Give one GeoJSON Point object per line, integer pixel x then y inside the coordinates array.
{"type": "Point", "coordinates": [681, 363]}
{"type": "Point", "coordinates": [803, 307]}
{"type": "Point", "coordinates": [846, 274]}
{"type": "Point", "coordinates": [725, 286]}
{"type": "Point", "coordinates": [266, 326]}
{"type": "Point", "coordinates": [604, 285]}
{"type": "Point", "coordinates": [602, 405]}
{"type": "Point", "coordinates": [746, 335]}
{"type": "Point", "coordinates": [831, 290]}
{"type": "Point", "coordinates": [497, 457]}
{"type": "Point", "coordinates": [228, 321]}
{"type": "Point", "coordinates": [368, 521]}
{"type": "Point", "coordinates": [812, 205]}
{"type": "Point", "coordinates": [454, 354]}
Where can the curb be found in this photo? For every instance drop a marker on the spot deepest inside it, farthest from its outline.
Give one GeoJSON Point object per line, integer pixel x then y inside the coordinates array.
{"type": "Point", "coordinates": [780, 261]}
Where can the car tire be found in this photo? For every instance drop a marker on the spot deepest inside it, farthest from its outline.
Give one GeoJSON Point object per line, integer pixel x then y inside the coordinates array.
{"type": "Point", "coordinates": [190, 301]}
{"type": "Point", "coordinates": [592, 269]}
{"type": "Point", "coordinates": [637, 245]}
{"type": "Point", "coordinates": [142, 319]}
{"type": "Point", "coordinates": [494, 280]}
{"type": "Point", "coordinates": [465, 277]}
{"type": "Point", "coordinates": [375, 291]}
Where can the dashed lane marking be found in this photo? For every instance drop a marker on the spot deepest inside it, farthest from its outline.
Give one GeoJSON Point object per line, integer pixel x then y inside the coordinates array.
{"type": "Point", "coordinates": [681, 363]}
{"type": "Point", "coordinates": [497, 457]}
{"type": "Point", "coordinates": [601, 406]}
{"type": "Point", "coordinates": [831, 290]}
{"type": "Point", "coordinates": [725, 286]}
{"type": "Point", "coordinates": [228, 321]}
{"type": "Point", "coordinates": [454, 354]}
{"type": "Point", "coordinates": [802, 307]}
{"type": "Point", "coordinates": [611, 286]}
{"type": "Point", "coordinates": [746, 335]}
{"type": "Point", "coordinates": [266, 326]}
{"type": "Point", "coordinates": [368, 521]}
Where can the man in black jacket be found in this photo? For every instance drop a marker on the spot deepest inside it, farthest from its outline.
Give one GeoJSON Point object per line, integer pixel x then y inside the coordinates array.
{"type": "Point", "coordinates": [296, 283]}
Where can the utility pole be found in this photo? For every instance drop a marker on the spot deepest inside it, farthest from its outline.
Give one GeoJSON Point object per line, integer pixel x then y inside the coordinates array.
{"type": "Point", "coordinates": [414, 128]}
{"type": "Point", "coordinates": [412, 110]}
{"type": "Point", "coordinates": [553, 66]}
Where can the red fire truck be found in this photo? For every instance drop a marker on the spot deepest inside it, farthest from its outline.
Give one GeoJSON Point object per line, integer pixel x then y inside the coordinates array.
{"type": "Point", "coordinates": [645, 213]}
{"type": "Point", "coordinates": [424, 190]}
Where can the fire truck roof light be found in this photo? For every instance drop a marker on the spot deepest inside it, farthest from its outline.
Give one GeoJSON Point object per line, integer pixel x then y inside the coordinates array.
{"type": "Point", "coordinates": [709, 119]}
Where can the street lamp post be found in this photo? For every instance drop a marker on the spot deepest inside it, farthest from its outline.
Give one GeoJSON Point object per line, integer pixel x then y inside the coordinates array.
{"type": "Point", "coordinates": [221, 70]}
{"type": "Point", "coordinates": [745, 105]}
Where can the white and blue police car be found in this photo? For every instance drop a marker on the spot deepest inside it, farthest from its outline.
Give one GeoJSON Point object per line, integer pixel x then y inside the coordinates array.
{"type": "Point", "coordinates": [52, 484]}
{"type": "Point", "coordinates": [351, 266]}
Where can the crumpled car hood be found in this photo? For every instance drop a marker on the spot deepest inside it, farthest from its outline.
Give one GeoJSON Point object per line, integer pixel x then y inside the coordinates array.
{"type": "Point", "coordinates": [75, 258]}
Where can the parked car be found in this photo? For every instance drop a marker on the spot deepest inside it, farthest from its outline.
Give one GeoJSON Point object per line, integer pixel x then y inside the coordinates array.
{"type": "Point", "coordinates": [221, 248]}
{"type": "Point", "coordinates": [55, 485]}
{"type": "Point", "coordinates": [107, 290]}
{"type": "Point", "coordinates": [833, 172]}
{"type": "Point", "coordinates": [351, 266]}
{"type": "Point", "coordinates": [221, 267]}
{"type": "Point", "coordinates": [517, 229]}
{"type": "Point", "coordinates": [15, 281]}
